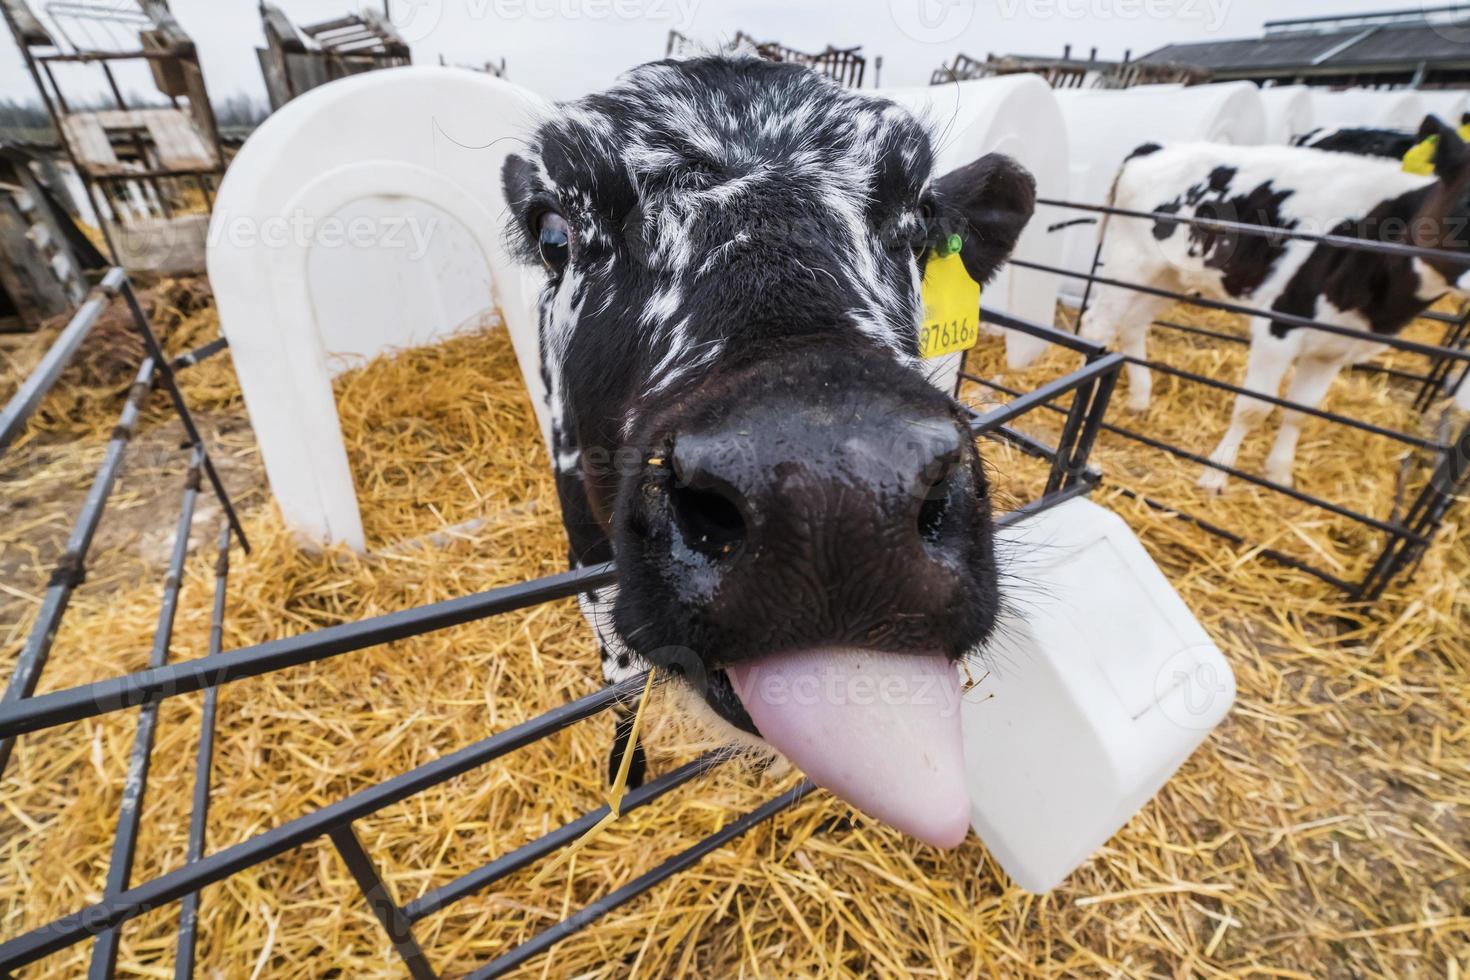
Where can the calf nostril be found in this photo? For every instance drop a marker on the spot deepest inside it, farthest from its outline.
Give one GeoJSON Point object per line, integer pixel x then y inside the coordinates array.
{"type": "Point", "coordinates": [937, 480]}
{"type": "Point", "coordinates": [709, 521]}
{"type": "Point", "coordinates": [932, 511]}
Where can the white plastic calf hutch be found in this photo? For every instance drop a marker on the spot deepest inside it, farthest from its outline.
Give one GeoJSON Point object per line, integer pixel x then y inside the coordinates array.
{"type": "Point", "coordinates": [1016, 115]}
{"type": "Point", "coordinates": [363, 216]}
{"type": "Point", "coordinates": [1105, 125]}
{"type": "Point", "coordinates": [1290, 112]}
{"type": "Point", "coordinates": [1448, 104]}
{"type": "Point", "coordinates": [1390, 109]}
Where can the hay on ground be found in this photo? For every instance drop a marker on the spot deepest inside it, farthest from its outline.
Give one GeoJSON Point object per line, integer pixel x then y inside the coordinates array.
{"type": "Point", "coordinates": [1321, 831]}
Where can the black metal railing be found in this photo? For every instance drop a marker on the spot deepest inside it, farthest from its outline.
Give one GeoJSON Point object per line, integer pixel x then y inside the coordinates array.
{"type": "Point", "coordinates": [1081, 395]}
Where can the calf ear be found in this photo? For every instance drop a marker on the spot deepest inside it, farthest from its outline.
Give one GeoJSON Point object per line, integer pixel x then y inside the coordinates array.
{"type": "Point", "coordinates": [1431, 126]}
{"type": "Point", "coordinates": [988, 203]}
{"type": "Point", "coordinates": [518, 180]}
{"type": "Point", "coordinates": [1450, 155]}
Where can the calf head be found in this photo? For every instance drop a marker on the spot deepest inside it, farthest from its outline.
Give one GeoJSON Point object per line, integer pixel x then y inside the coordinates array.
{"type": "Point", "coordinates": [728, 334]}
{"type": "Point", "coordinates": [1443, 219]}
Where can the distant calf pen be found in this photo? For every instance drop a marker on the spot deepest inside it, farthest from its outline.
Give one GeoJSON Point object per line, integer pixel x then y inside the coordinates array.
{"type": "Point", "coordinates": [1081, 396]}
{"type": "Point", "coordinates": [1436, 468]}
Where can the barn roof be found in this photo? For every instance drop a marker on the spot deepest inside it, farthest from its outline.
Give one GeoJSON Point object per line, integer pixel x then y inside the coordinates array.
{"type": "Point", "coordinates": [1328, 43]}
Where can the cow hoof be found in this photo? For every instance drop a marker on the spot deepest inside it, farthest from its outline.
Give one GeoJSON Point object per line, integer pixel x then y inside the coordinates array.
{"type": "Point", "coordinates": [1137, 403]}
{"type": "Point", "coordinates": [1279, 475]}
{"type": "Point", "coordinates": [1212, 481]}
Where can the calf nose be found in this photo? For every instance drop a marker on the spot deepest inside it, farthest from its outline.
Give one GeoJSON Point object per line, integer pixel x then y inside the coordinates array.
{"type": "Point", "coordinates": [772, 486]}
{"type": "Point", "coordinates": [813, 522]}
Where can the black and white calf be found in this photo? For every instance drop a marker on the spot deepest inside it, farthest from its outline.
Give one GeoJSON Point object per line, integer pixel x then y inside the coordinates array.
{"type": "Point", "coordinates": [728, 338]}
{"type": "Point", "coordinates": [1370, 141]}
{"type": "Point", "coordinates": [1287, 188]}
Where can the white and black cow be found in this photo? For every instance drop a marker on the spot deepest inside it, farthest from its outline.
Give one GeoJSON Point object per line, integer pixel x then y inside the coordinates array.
{"type": "Point", "coordinates": [1287, 188]}
{"type": "Point", "coordinates": [1370, 141]}
{"type": "Point", "coordinates": [729, 341]}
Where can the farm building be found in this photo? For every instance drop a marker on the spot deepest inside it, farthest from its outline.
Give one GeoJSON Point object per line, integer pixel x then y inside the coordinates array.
{"type": "Point", "coordinates": [1417, 47]}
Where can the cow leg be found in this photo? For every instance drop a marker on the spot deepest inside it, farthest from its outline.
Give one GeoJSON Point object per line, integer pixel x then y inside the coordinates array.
{"type": "Point", "coordinates": [1308, 386]}
{"type": "Point", "coordinates": [1121, 317]}
{"type": "Point", "coordinates": [1269, 358]}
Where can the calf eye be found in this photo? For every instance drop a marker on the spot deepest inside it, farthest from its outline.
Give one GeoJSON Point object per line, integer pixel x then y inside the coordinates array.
{"type": "Point", "coordinates": [553, 237]}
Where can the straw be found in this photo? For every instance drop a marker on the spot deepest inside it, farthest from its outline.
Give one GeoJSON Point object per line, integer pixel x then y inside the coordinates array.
{"type": "Point", "coordinates": [1321, 831]}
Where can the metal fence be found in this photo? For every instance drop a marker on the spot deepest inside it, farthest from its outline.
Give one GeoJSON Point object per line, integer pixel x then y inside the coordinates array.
{"type": "Point", "coordinates": [1410, 526]}
{"type": "Point", "coordinates": [1081, 395]}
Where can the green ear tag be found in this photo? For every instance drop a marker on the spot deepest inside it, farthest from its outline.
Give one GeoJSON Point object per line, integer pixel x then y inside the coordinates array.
{"type": "Point", "coordinates": [951, 303]}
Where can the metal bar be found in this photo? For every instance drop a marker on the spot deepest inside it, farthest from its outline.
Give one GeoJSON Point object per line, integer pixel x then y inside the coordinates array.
{"type": "Point", "coordinates": [1320, 413]}
{"type": "Point", "coordinates": [113, 694]}
{"type": "Point", "coordinates": [1043, 331]}
{"type": "Point", "coordinates": [135, 786]}
{"type": "Point", "coordinates": [400, 932]}
{"type": "Point", "coordinates": [166, 374]}
{"type": "Point", "coordinates": [200, 353]}
{"type": "Point", "coordinates": [47, 372]}
{"type": "Point", "coordinates": [112, 911]}
{"type": "Point", "coordinates": [71, 566]}
{"type": "Point", "coordinates": [1271, 553]}
{"type": "Point", "coordinates": [1096, 419]}
{"type": "Point", "coordinates": [1229, 338]}
{"type": "Point", "coordinates": [1076, 415]}
{"type": "Point", "coordinates": [1439, 369]}
{"type": "Point", "coordinates": [1052, 389]}
{"type": "Point", "coordinates": [481, 878]}
{"type": "Point", "coordinates": [1263, 231]}
{"type": "Point", "coordinates": [1291, 492]}
{"type": "Point", "coordinates": [1080, 488]}
{"type": "Point", "coordinates": [1260, 481]}
{"type": "Point", "coordinates": [1423, 517]}
{"type": "Point", "coordinates": [1290, 319]}
{"type": "Point", "coordinates": [199, 815]}
{"type": "Point", "coordinates": [579, 920]}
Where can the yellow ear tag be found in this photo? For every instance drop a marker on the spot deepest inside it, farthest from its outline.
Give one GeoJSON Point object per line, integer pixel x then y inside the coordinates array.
{"type": "Point", "coordinates": [951, 303]}
{"type": "Point", "coordinates": [1420, 159]}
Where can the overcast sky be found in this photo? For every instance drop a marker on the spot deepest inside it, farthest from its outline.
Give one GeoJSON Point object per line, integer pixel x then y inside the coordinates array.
{"type": "Point", "coordinates": [564, 48]}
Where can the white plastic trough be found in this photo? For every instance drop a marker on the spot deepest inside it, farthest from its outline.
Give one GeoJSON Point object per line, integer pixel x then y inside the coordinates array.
{"type": "Point", "coordinates": [364, 216]}
{"type": "Point", "coordinates": [1095, 697]}
{"type": "Point", "coordinates": [1290, 113]}
{"type": "Point", "coordinates": [1017, 116]}
{"type": "Point", "coordinates": [1388, 109]}
{"type": "Point", "coordinates": [1105, 125]}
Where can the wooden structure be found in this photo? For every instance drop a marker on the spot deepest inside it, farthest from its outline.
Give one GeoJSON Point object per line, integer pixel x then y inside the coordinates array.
{"type": "Point", "coordinates": [845, 66]}
{"type": "Point", "coordinates": [148, 170]}
{"type": "Point", "coordinates": [489, 67]}
{"type": "Point", "coordinates": [298, 59]}
{"type": "Point", "coordinates": [43, 257]}
{"type": "Point", "coordinates": [1069, 72]}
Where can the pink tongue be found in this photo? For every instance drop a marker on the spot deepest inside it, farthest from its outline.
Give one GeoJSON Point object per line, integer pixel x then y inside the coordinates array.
{"type": "Point", "coordinates": [880, 730]}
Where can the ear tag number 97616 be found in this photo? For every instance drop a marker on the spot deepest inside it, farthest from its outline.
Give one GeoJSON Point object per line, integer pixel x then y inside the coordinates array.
{"type": "Point", "coordinates": [951, 303]}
